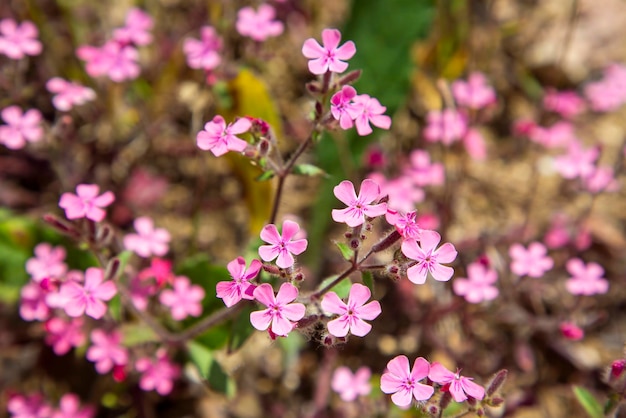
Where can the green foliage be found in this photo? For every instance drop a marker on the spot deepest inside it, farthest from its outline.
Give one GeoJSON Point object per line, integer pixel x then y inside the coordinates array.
{"type": "Point", "coordinates": [342, 289]}
{"type": "Point", "coordinates": [308, 170]}
{"type": "Point", "coordinates": [137, 333]}
{"type": "Point", "coordinates": [209, 368]}
{"type": "Point", "coordinates": [368, 280]}
{"type": "Point", "coordinates": [201, 272]}
{"type": "Point", "coordinates": [346, 251]}
{"type": "Point", "coordinates": [588, 402]}
{"type": "Point", "coordinates": [241, 329]}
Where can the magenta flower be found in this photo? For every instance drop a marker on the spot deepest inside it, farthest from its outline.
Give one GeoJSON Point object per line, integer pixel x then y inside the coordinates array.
{"type": "Point", "coordinates": [351, 315]}
{"type": "Point", "coordinates": [47, 263]}
{"type": "Point", "coordinates": [280, 312]}
{"type": "Point", "coordinates": [17, 41]}
{"type": "Point", "coordinates": [69, 407]}
{"type": "Point", "coordinates": [106, 350]}
{"type": "Point", "coordinates": [571, 331]}
{"type": "Point", "coordinates": [86, 203]}
{"type": "Point", "coordinates": [33, 305]}
{"type": "Point", "coordinates": [406, 224]}
{"type": "Point", "coordinates": [88, 299]}
{"type": "Point", "coordinates": [586, 278]}
{"type": "Point", "coordinates": [429, 258]}
{"type": "Point", "coordinates": [366, 110]}
{"type": "Point", "coordinates": [475, 93]}
{"type": "Point", "coordinates": [204, 53]}
{"type": "Point", "coordinates": [578, 162]}
{"type": "Point", "coordinates": [220, 138]}
{"type": "Point", "coordinates": [63, 335]}
{"type": "Point", "coordinates": [258, 25]}
{"type": "Point", "coordinates": [68, 93]}
{"type": "Point", "coordinates": [422, 172]}
{"type": "Point", "coordinates": [341, 106]}
{"type": "Point", "coordinates": [240, 287]}
{"type": "Point", "coordinates": [114, 60]}
{"type": "Point", "coordinates": [157, 374]}
{"type": "Point", "coordinates": [137, 28]}
{"type": "Point", "coordinates": [566, 103]}
{"type": "Point", "coordinates": [447, 126]}
{"type": "Point", "coordinates": [479, 284]}
{"type": "Point", "coordinates": [533, 261]}
{"type": "Point", "coordinates": [281, 247]}
{"type": "Point", "coordinates": [404, 383]}
{"type": "Point", "coordinates": [149, 240]}
{"type": "Point", "coordinates": [184, 300]}
{"type": "Point", "coordinates": [330, 56]}
{"type": "Point", "coordinates": [360, 206]}
{"type": "Point", "coordinates": [350, 385]}
{"type": "Point", "coordinates": [20, 127]}
{"type": "Point", "coordinates": [460, 387]}
{"type": "Point", "coordinates": [31, 406]}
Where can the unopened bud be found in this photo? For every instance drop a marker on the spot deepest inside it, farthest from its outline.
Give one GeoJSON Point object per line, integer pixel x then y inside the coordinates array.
{"type": "Point", "coordinates": [480, 412]}
{"type": "Point", "coordinates": [271, 269]}
{"type": "Point", "coordinates": [104, 235]}
{"type": "Point", "coordinates": [393, 270]}
{"type": "Point", "coordinates": [497, 382]}
{"type": "Point", "coordinates": [348, 235]}
{"type": "Point", "coordinates": [298, 277]}
{"type": "Point", "coordinates": [319, 109]}
{"type": "Point", "coordinates": [112, 269]}
{"type": "Point", "coordinates": [60, 225]}
{"type": "Point", "coordinates": [313, 87]}
{"type": "Point", "coordinates": [497, 401]}
{"type": "Point", "coordinates": [445, 400]}
{"type": "Point", "coordinates": [119, 373]}
{"type": "Point", "coordinates": [349, 78]}
{"type": "Point", "coordinates": [263, 147]}
{"type": "Point", "coordinates": [433, 410]}
{"type": "Point", "coordinates": [355, 244]}
{"type": "Point", "coordinates": [617, 368]}
{"type": "Point", "coordinates": [386, 242]}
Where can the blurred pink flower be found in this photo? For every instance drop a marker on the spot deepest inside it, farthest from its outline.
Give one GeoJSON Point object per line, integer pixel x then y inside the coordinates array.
{"type": "Point", "coordinates": [479, 284]}
{"type": "Point", "coordinates": [475, 93]}
{"type": "Point", "coordinates": [282, 247]}
{"type": "Point", "coordinates": [558, 235]}
{"type": "Point", "coordinates": [586, 278]}
{"type": "Point", "coordinates": [350, 385]}
{"type": "Point", "coordinates": [86, 203]}
{"type": "Point", "coordinates": [601, 179]}
{"type": "Point", "coordinates": [106, 350]}
{"type": "Point", "coordinates": [280, 312]}
{"type": "Point", "coordinates": [406, 224]}
{"type": "Point", "coordinates": [402, 192]}
{"type": "Point", "coordinates": [149, 240]}
{"type": "Point", "coordinates": [258, 25]}
{"type": "Point", "coordinates": [62, 335]}
{"type": "Point", "coordinates": [533, 261]}
{"type": "Point", "coordinates": [240, 287]}
{"type": "Point", "coordinates": [475, 144]}
{"type": "Point", "coordinates": [30, 406]}
{"type": "Point", "coordinates": [566, 103]}
{"type": "Point", "coordinates": [205, 53]}
{"type": "Point", "coordinates": [329, 57]}
{"type": "Point", "coordinates": [69, 407]}
{"type": "Point", "coordinates": [184, 299]}
{"type": "Point", "coordinates": [68, 93]}
{"type": "Point", "coordinates": [88, 299]}
{"type": "Point", "coordinates": [422, 171]}
{"type": "Point", "coordinates": [33, 304]}
{"type": "Point", "coordinates": [404, 382]}
{"type": "Point", "coordinates": [157, 374]}
{"type": "Point", "coordinates": [577, 162]}
{"type": "Point", "coordinates": [429, 257]}
{"type": "Point", "coordinates": [20, 127]}
{"type": "Point", "coordinates": [114, 60]}
{"type": "Point", "coordinates": [366, 110]}
{"type": "Point", "coordinates": [458, 386]}
{"type": "Point", "coordinates": [47, 263]}
{"type": "Point", "coordinates": [137, 28]}
{"type": "Point", "coordinates": [144, 189]}
{"type": "Point", "coordinates": [558, 135]}
{"type": "Point", "coordinates": [341, 106]}
{"type": "Point", "coordinates": [359, 207]}
{"type": "Point", "coordinates": [220, 138]}
{"type": "Point", "coordinates": [571, 331]}
{"type": "Point", "coordinates": [19, 40]}
{"type": "Point", "coordinates": [608, 93]}
{"type": "Point", "coordinates": [447, 126]}
{"type": "Point", "coordinates": [351, 314]}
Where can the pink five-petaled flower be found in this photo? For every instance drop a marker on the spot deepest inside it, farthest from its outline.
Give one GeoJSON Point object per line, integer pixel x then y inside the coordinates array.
{"type": "Point", "coordinates": [577, 162]}
{"type": "Point", "coordinates": [204, 53]}
{"type": "Point", "coordinates": [258, 25]}
{"type": "Point", "coordinates": [586, 279]}
{"type": "Point", "coordinates": [62, 335]}
{"type": "Point", "coordinates": [68, 93]}
{"type": "Point", "coordinates": [404, 383]}
{"type": "Point", "coordinates": [429, 257]}
{"type": "Point", "coordinates": [113, 59]}
{"type": "Point", "coordinates": [350, 385]}
{"type": "Point", "coordinates": [458, 386]}
{"type": "Point", "coordinates": [281, 247]}
{"type": "Point", "coordinates": [240, 287]}
{"type": "Point", "coordinates": [478, 286]}
{"type": "Point", "coordinates": [220, 138]}
{"type": "Point", "coordinates": [475, 93]}
{"type": "Point", "coordinates": [136, 29]}
{"type": "Point", "coordinates": [351, 314]}
{"type": "Point", "coordinates": [30, 406]}
{"type": "Point", "coordinates": [366, 110]}
{"type": "Point", "coordinates": [184, 300]}
{"type": "Point", "coordinates": [69, 407]}
{"type": "Point", "coordinates": [157, 374]}
{"type": "Point", "coordinates": [106, 350]}
{"type": "Point", "coordinates": [86, 203]}
{"type": "Point", "coordinates": [17, 41]}
{"type": "Point", "coordinates": [341, 106]}
{"type": "Point", "coordinates": [328, 57]}
{"type": "Point", "coordinates": [20, 127]}
{"type": "Point", "coordinates": [280, 312]}
{"type": "Point", "coordinates": [358, 206]}
{"type": "Point", "coordinates": [88, 299]}
{"type": "Point", "coordinates": [533, 261]}
{"type": "Point", "coordinates": [406, 224]}
{"type": "Point", "coordinates": [149, 240]}
{"type": "Point", "coordinates": [47, 263]}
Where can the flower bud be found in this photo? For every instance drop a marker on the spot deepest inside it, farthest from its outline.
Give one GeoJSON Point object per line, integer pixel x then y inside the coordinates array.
{"type": "Point", "coordinates": [263, 147]}
{"type": "Point", "coordinates": [497, 382]}
{"type": "Point", "coordinates": [617, 368]}
{"type": "Point", "coordinates": [497, 401]}
{"type": "Point", "coordinates": [386, 242]}
{"type": "Point", "coordinates": [349, 78]}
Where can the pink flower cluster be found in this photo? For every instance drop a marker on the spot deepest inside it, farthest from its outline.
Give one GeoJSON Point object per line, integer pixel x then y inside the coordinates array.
{"type": "Point", "coordinates": [35, 406]}
{"type": "Point", "coordinates": [68, 93]}
{"type": "Point", "coordinates": [258, 25]}
{"type": "Point", "coordinates": [351, 109]}
{"type": "Point", "coordinates": [19, 40]}
{"type": "Point", "coordinates": [204, 54]}
{"type": "Point", "coordinates": [608, 93]}
{"type": "Point", "coordinates": [20, 127]}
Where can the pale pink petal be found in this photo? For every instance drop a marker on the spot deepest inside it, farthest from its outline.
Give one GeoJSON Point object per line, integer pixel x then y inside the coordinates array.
{"type": "Point", "coordinates": [312, 49]}
{"type": "Point", "coordinates": [293, 311]}
{"type": "Point", "coordinates": [261, 319]}
{"type": "Point", "coordinates": [370, 311]}
{"type": "Point", "coordinates": [270, 234]}
{"type": "Point", "coordinates": [344, 191]}
{"type": "Point", "coordinates": [333, 304]}
{"type": "Point", "coordinates": [265, 294]}
{"type": "Point", "coordinates": [338, 327]}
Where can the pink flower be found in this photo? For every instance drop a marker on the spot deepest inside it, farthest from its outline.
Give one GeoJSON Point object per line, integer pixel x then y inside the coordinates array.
{"type": "Point", "coordinates": [88, 299]}
{"type": "Point", "coordinates": [558, 234]}
{"type": "Point", "coordinates": [341, 106]}
{"type": "Point", "coordinates": [33, 306]}
{"type": "Point", "coordinates": [281, 247]}
{"type": "Point", "coordinates": [571, 331]}
{"type": "Point", "coordinates": [429, 258]}
{"type": "Point", "coordinates": [350, 385]}
{"type": "Point", "coordinates": [475, 93]}
{"type": "Point", "coordinates": [220, 138]}
{"type": "Point", "coordinates": [609, 93]}
{"type": "Point", "coordinates": [402, 192]}
{"type": "Point", "coordinates": [359, 207]}
{"type": "Point", "coordinates": [406, 224]}
{"type": "Point", "coordinates": [422, 172]}
{"type": "Point", "coordinates": [447, 126]}
{"type": "Point", "coordinates": [149, 240]}
{"type": "Point", "coordinates": [586, 279]}
{"type": "Point", "coordinates": [279, 313]}
{"type": "Point", "coordinates": [68, 93]}
{"type": "Point", "coordinates": [260, 25]}
{"type": "Point", "coordinates": [566, 103]}
{"type": "Point", "coordinates": [460, 387]}
{"type": "Point", "coordinates": [532, 261]}
{"type": "Point", "coordinates": [351, 315]}
{"type": "Point", "coordinates": [86, 203]}
{"type": "Point", "coordinates": [20, 127]}
{"type": "Point", "coordinates": [17, 41]}
{"type": "Point", "coordinates": [69, 407]}
{"type": "Point", "coordinates": [204, 53]}
{"type": "Point", "coordinates": [184, 300]}
{"type": "Point", "coordinates": [578, 162]}
{"type": "Point", "coordinates": [137, 28]}
{"type": "Point", "coordinates": [54, 298]}
{"type": "Point", "coordinates": [558, 135]}
{"type": "Point", "coordinates": [157, 374]}
{"type": "Point", "coordinates": [117, 61]}
{"type": "Point", "coordinates": [328, 57]}
{"type": "Point", "coordinates": [106, 350]}
{"type": "Point", "coordinates": [47, 263]}
{"type": "Point", "coordinates": [474, 144]}
{"type": "Point", "coordinates": [601, 179]}
{"type": "Point", "coordinates": [31, 406]}
{"type": "Point", "coordinates": [366, 110]}
{"type": "Point", "coordinates": [404, 383]}
{"type": "Point", "coordinates": [63, 335]}
{"type": "Point", "coordinates": [478, 286]}
{"type": "Point", "coordinates": [240, 287]}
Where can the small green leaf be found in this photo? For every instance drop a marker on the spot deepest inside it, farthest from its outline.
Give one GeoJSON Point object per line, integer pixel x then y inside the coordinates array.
{"type": "Point", "coordinates": [588, 402]}
{"type": "Point", "coordinates": [241, 330]}
{"type": "Point", "coordinates": [136, 334]}
{"type": "Point", "coordinates": [209, 368]}
{"type": "Point", "coordinates": [346, 251]}
{"type": "Point", "coordinates": [266, 175]}
{"type": "Point", "coordinates": [309, 170]}
{"type": "Point", "coordinates": [115, 308]}
{"type": "Point", "coordinates": [368, 280]}
{"type": "Point", "coordinates": [342, 289]}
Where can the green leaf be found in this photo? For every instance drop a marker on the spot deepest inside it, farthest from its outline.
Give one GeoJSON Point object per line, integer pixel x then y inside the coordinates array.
{"type": "Point", "coordinates": [588, 402]}
{"type": "Point", "coordinates": [342, 289]}
{"type": "Point", "coordinates": [266, 175]}
{"type": "Point", "coordinates": [115, 308]}
{"type": "Point", "coordinates": [136, 334]}
{"type": "Point", "coordinates": [201, 272]}
{"type": "Point", "coordinates": [215, 338]}
{"type": "Point", "coordinates": [346, 251]}
{"type": "Point", "coordinates": [368, 280]}
{"type": "Point", "coordinates": [308, 170]}
{"type": "Point", "coordinates": [241, 329]}
{"type": "Point", "coordinates": [209, 368]}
